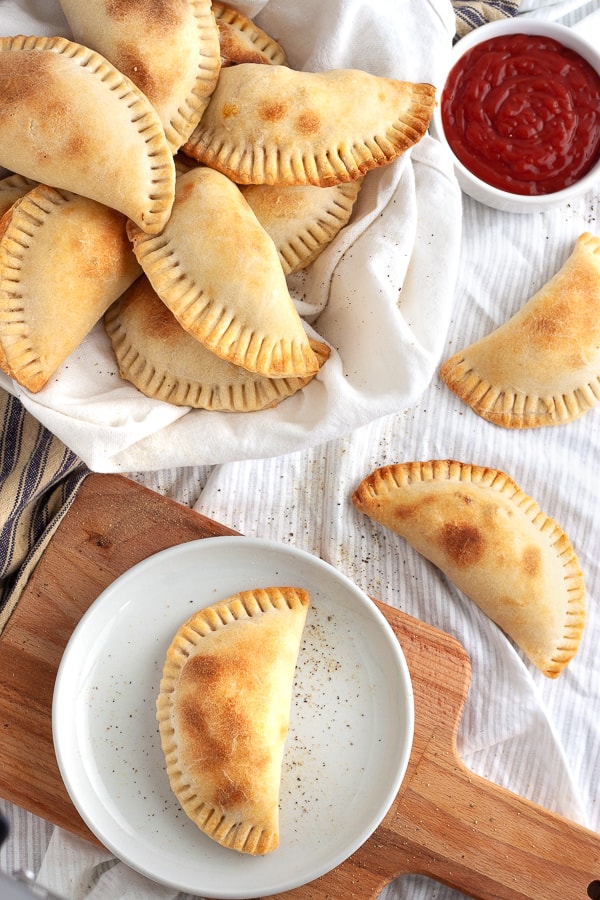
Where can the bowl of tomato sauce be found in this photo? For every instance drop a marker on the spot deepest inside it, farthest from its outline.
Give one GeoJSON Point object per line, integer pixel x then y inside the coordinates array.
{"type": "Point", "coordinates": [520, 114]}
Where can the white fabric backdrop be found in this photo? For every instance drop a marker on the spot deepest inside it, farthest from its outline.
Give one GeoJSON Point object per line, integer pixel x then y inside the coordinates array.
{"type": "Point", "coordinates": [536, 737]}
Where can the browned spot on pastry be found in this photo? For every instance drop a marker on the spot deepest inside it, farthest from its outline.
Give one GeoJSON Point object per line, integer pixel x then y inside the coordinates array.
{"type": "Point", "coordinates": [230, 794]}
{"type": "Point", "coordinates": [272, 112]}
{"type": "Point", "coordinates": [463, 543]}
{"type": "Point", "coordinates": [308, 122]}
{"type": "Point", "coordinates": [229, 110]}
{"type": "Point", "coordinates": [532, 561]}
{"type": "Point", "coordinates": [152, 11]}
{"type": "Point", "coordinates": [131, 64]}
{"type": "Point", "coordinates": [21, 75]}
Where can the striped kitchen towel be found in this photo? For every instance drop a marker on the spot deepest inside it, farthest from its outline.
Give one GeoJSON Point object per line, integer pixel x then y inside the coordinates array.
{"type": "Point", "coordinates": [473, 13]}
{"type": "Point", "coordinates": [39, 478]}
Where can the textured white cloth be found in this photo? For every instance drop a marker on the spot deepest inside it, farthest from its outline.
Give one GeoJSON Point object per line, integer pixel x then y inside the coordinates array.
{"type": "Point", "coordinates": [380, 295]}
{"type": "Point", "coordinates": [536, 737]}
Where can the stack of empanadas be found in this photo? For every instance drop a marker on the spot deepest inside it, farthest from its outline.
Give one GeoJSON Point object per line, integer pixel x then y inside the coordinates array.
{"type": "Point", "coordinates": [275, 161]}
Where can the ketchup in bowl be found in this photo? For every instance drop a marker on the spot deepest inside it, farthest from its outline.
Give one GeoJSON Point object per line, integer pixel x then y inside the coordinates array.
{"type": "Point", "coordinates": [522, 113]}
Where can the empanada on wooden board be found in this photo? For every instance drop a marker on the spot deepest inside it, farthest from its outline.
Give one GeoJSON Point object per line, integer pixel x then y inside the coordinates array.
{"type": "Point", "coordinates": [301, 219]}
{"type": "Point", "coordinates": [64, 259]}
{"type": "Point", "coordinates": [70, 119]}
{"type": "Point", "coordinates": [218, 271]}
{"type": "Point", "coordinates": [542, 366]}
{"type": "Point", "coordinates": [494, 543]}
{"type": "Point", "coordinates": [224, 710]}
{"type": "Point", "coordinates": [242, 41]}
{"type": "Point", "coordinates": [276, 125]}
{"type": "Point", "coordinates": [163, 361]}
{"type": "Point", "coordinates": [170, 50]}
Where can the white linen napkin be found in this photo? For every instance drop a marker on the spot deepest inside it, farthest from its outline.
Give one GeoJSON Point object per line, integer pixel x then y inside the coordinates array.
{"type": "Point", "coordinates": [380, 295]}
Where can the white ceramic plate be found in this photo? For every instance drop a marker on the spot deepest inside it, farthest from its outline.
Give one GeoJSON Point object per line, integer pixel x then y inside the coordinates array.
{"type": "Point", "coordinates": [350, 733]}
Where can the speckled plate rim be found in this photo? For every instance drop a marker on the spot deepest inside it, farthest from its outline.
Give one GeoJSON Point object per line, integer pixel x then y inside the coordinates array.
{"type": "Point", "coordinates": [350, 736]}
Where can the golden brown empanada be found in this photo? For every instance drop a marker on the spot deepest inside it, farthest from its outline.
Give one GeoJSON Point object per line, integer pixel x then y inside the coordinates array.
{"type": "Point", "coordinates": [301, 219]}
{"type": "Point", "coordinates": [224, 709]}
{"type": "Point", "coordinates": [275, 125]}
{"type": "Point", "coordinates": [494, 543]}
{"type": "Point", "coordinates": [70, 119]}
{"type": "Point", "coordinates": [170, 50]}
{"type": "Point", "coordinates": [63, 260]}
{"type": "Point", "coordinates": [542, 366]}
{"type": "Point", "coordinates": [165, 362]}
{"type": "Point", "coordinates": [242, 41]}
{"type": "Point", "coordinates": [219, 273]}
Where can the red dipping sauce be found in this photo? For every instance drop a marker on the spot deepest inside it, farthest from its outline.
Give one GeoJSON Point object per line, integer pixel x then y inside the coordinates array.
{"type": "Point", "coordinates": [522, 113]}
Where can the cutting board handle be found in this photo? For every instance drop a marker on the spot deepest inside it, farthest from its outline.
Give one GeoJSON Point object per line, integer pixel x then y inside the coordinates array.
{"type": "Point", "coordinates": [489, 843]}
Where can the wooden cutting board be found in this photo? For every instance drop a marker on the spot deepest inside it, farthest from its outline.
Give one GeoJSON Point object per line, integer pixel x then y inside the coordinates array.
{"type": "Point", "coordinates": [446, 822]}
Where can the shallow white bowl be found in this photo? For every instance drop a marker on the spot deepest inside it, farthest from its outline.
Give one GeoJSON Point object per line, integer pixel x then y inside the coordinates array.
{"type": "Point", "coordinates": [475, 187]}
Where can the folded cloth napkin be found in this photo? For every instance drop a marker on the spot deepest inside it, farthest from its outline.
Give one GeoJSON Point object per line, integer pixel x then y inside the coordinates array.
{"type": "Point", "coordinates": [471, 14]}
{"type": "Point", "coordinates": [39, 478]}
{"type": "Point", "coordinates": [381, 295]}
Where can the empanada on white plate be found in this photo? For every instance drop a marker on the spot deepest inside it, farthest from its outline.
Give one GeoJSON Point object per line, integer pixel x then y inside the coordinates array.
{"type": "Point", "coordinates": [242, 41]}
{"type": "Point", "coordinates": [166, 363]}
{"type": "Point", "coordinates": [64, 259]}
{"type": "Point", "coordinates": [542, 366]}
{"type": "Point", "coordinates": [170, 50]}
{"type": "Point", "coordinates": [302, 219]}
{"type": "Point", "coordinates": [218, 271]}
{"type": "Point", "coordinates": [70, 119]}
{"type": "Point", "coordinates": [275, 125]}
{"type": "Point", "coordinates": [494, 543]}
{"type": "Point", "coordinates": [224, 709]}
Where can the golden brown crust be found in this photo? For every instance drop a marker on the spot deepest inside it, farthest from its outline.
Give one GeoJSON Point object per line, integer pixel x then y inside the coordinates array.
{"type": "Point", "coordinates": [494, 543]}
{"type": "Point", "coordinates": [218, 271]}
{"type": "Point", "coordinates": [542, 366]}
{"type": "Point", "coordinates": [70, 119]}
{"type": "Point", "coordinates": [166, 363]}
{"type": "Point", "coordinates": [275, 125]}
{"type": "Point", "coordinates": [223, 711]}
{"type": "Point", "coordinates": [242, 41]}
{"type": "Point", "coordinates": [54, 285]}
{"type": "Point", "coordinates": [170, 50]}
{"type": "Point", "coordinates": [303, 219]}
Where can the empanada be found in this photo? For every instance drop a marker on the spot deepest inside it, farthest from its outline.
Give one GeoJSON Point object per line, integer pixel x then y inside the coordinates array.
{"type": "Point", "coordinates": [301, 219]}
{"type": "Point", "coordinates": [63, 260]}
{"type": "Point", "coordinates": [224, 709]}
{"type": "Point", "coordinates": [219, 273]}
{"type": "Point", "coordinates": [165, 362]}
{"type": "Point", "coordinates": [242, 41]}
{"type": "Point", "coordinates": [542, 366]}
{"type": "Point", "coordinates": [494, 543]}
{"type": "Point", "coordinates": [70, 119]}
{"type": "Point", "coordinates": [275, 125]}
{"type": "Point", "coordinates": [170, 50]}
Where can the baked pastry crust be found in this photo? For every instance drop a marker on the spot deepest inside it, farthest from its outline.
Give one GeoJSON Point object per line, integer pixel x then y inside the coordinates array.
{"type": "Point", "coordinates": [12, 188]}
{"type": "Point", "coordinates": [218, 272]}
{"type": "Point", "coordinates": [170, 50]}
{"type": "Point", "coordinates": [275, 125]}
{"type": "Point", "coordinates": [70, 119]}
{"type": "Point", "coordinates": [242, 41]}
{"type": "Point", "coordinates": [165, 362]}
{"type": "Point", "coordinates": [302, 219]}
{"type": "Point", "coordinates": [542, 366]}
{"type": "Point", "coordinates": [494, 543]}
{"type": "Point", "coordinates": [223, 711]}
{"type": "Point", "coordinates": [63, 260]}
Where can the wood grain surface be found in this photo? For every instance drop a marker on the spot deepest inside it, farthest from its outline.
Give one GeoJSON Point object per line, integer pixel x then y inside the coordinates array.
{"type": "Point", "coordinates": [446, 822]}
